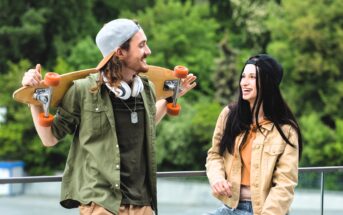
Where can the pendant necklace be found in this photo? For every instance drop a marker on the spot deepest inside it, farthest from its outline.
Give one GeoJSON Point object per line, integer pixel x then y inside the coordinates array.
{"type": "Point", "coordinates": [134, 115]}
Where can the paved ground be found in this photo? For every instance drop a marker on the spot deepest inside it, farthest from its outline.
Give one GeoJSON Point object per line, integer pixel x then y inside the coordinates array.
{"type": "Point", "coordinates": [38, 205]}
{"type": "Point", "coordinates": [175, 198]}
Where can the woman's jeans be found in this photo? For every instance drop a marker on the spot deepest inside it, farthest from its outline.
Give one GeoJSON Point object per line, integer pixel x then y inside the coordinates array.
{"type": "Point", "coordinates": [244, 208]}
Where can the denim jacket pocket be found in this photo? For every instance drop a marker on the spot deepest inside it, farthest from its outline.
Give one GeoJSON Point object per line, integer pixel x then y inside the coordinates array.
{"type": "Point", "coordinates": [275, 149]}
{"type": "Point", "coordinates": [270, 157]}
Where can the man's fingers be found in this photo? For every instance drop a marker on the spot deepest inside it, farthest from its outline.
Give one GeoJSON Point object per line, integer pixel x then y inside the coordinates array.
{"type": "Point", "coordinates": [193, 85]}
{"type": "Point", "coordinates": [38, 68]}
{"type": "Point", "coordinates": [189, 83]}
{"type": "Point", "coordinates": [35, 81]}
{"type": "Point", "coordinates": [190, 78]}
{"type": "Point", "coordinates": [32, 77]}
{"type": "Point", "coordinates": [38, 73]}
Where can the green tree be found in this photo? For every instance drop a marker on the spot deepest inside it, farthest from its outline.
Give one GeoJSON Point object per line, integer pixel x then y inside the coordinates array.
{"type": "Point", "coordinates": [307, 37]}
{"type": "Point", "coordinates": [84, 54]}
{"type": "Point", "coordinates": [108, 10]}
{"type": "Point", "coordinates": [21, 32]}
{"type": "Point", "coordinates": [244, 33]}
{"type": "Point", "coordinates": [18, 139]}
{"type": "Point", "coordinates": [183, 141]}
{"type": "Point", "coordinates": [67, 24]}
{"type": "Point", "coordinates": [42, 30]}
{"type": "Point", "coordinates": [227, 75]}
{"type": "Point", "coordinates": [243, 20]}
{"type": "Point", "coordinates": [181, 34]}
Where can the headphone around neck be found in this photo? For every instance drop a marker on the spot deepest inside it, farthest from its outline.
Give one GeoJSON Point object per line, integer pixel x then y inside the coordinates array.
{"type": "Point", "coordinates": [124, 91]}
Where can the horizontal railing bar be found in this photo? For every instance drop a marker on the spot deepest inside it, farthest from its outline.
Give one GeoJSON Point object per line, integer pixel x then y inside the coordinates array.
{"type": "Point", "coordinates": [181, 174]}
{"type": "Point", "coordinates": [30, 179]}
{"type": "Point", "coordinates": [36, 179]}
{"type": "Point", "coordinates": [322, 169]}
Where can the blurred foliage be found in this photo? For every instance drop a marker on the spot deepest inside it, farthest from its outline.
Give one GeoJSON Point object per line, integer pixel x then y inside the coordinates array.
{"type": "Point", "coordinates": [18, 138]}
{"type": "Point", "coordinates": [183, 141]}
{"type": "Point", "coordinates": [312, 180]}
{"type": "Point", "coordinates": [324, 144]}
{"type": "Point", "coordinates": [212, 38]}
{"type": "Point", "coordinates": [307, 39]}
{"type": "Point", "coordinates": [42, 30]}
{"type": "Point", "coordinates": [176, 38]}
{"type": "Point", "coordinates": [84, 54]}
{"type": "Point", "coordinates": [243, 33]}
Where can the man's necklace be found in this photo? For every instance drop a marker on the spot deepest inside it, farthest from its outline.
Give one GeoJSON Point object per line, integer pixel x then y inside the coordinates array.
{"type": "Point", "coordinates": [134, 115]}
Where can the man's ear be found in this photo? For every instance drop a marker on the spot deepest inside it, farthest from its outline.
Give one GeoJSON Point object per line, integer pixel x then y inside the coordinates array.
{"type": "Point", "coordinates": [120, 54]}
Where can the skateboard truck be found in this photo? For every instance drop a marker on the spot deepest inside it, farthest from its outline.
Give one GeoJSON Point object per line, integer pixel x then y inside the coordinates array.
{"type": "Point", "coordinates": [43, 95]}
{"type": "Point", "coordinates": [180, 72]}
{"type": "Point", "coordinates": [170, 84]}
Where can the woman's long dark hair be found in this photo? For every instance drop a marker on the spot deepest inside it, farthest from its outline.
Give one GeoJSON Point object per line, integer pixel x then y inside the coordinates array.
{"type": "Point", "coordinates": [269, 98]}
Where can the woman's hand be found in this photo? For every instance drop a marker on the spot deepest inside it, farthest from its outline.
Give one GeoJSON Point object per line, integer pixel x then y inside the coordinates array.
{"type": "Point", "coordinates": [222, 188]}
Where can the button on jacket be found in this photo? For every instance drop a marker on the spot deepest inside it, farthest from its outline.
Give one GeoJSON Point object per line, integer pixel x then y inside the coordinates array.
{"type": "Point", "coordinates": [274, 168]}
{"type": "Point", "coordinates": [92, 171]}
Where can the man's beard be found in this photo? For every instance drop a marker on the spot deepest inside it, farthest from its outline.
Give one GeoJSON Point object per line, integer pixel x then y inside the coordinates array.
{"type": "Point", "coordinates": [141, 69]}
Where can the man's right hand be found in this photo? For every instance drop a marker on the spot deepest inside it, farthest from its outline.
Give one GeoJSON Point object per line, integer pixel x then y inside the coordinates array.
{"type": "Point", "coordinates": [32, 77]}
{"type": "Point", "coordinates": [222, 188]}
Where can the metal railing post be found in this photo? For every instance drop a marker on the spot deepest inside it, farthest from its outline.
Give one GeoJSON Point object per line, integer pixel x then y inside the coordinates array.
{"type": "Point", "coordinates": [322, 193]}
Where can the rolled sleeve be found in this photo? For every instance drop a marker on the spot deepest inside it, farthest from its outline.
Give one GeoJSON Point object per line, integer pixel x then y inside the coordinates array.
{"type": "Point", "coordinates": [67, 117]}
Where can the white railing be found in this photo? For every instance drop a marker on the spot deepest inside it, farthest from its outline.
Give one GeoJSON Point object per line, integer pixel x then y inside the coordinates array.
{"type": "Point", "coordinates": [321, 170]}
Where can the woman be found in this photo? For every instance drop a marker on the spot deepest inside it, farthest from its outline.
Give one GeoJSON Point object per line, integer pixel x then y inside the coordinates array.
{"type": "Point", "coordinates": [252, 165]}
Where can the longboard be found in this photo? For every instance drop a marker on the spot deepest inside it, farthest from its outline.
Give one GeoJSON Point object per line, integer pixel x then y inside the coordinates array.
{"type": "Point", "coordinates": [166, 82]}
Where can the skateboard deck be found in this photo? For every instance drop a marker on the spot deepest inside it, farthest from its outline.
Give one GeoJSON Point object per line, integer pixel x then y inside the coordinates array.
{"type": "Point", "coordinates": [161, 78]}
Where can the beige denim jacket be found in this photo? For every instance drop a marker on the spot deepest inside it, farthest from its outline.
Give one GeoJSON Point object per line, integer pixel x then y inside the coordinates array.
{"type": "Point", "coordinates": [274, 168]}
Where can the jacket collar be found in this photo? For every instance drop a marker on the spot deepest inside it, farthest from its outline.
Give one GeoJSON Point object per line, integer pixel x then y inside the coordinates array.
{"type": "Point", "coordinates": [269, 126]}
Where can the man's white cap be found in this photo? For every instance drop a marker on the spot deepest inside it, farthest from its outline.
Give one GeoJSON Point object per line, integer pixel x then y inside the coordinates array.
{"type": "Point", "coordinates": [112, 35]}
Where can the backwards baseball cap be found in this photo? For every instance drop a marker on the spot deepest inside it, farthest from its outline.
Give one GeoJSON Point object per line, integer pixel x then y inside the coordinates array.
{"type": "Point", "coordinates": [268, 64]}
{"type": "Point", "coordinates": [112, 35]}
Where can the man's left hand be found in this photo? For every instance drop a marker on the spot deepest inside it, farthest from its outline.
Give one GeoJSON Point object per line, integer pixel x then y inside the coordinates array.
{"type": "Point", "coordinates": [187, 84]}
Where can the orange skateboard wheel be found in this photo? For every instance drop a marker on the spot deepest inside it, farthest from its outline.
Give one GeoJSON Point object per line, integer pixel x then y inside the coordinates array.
{"type": "Point", "coordinates": [180, 71]}
{"type": "Point", "coordinates": [52, 79]}
{"type": "Point", "coordinates": [45, 121]}
{"type": "Point", "coordinates": [173, 110]}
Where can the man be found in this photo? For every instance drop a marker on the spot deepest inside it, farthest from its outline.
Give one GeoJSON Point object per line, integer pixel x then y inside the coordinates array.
{"type": "Point", "coordinates": [111, 166]}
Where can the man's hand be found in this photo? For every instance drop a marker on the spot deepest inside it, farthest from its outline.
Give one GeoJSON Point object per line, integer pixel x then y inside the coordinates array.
{"type": "Point", "coordinates": [222, 188]}
{"type": "Point", "coordinates": [32, 77]}
{"type": "Point", "coordinates": [187, 84]}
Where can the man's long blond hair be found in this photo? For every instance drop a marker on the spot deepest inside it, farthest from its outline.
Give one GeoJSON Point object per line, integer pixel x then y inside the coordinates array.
{"type": "Point", "coordinates": [112, 70]}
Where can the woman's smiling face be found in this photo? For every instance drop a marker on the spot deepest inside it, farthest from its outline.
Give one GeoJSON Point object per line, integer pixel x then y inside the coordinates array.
{"type": "Point", "coordinates": [248, 84]}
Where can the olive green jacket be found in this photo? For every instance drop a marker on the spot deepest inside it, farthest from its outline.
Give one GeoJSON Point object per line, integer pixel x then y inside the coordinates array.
{"type": "Point", "coordinates": [92, 172]}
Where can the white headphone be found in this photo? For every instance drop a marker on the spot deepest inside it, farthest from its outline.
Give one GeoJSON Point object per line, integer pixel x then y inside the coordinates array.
{"type": "Point", "coordinates": [123, 91]}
